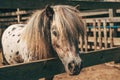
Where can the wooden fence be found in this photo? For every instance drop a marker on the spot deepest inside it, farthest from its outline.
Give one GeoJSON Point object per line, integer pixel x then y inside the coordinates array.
{"type": "Point", "coordinates": [102, 29]}
{"type": "Point", "coordinates": [101, 36]}
{"type": "Point", "coordinates": [100, 32]}
{"type": "Point", "coordinates": [20, 16]}
{"type": "Point", "coordinates": [50, 67]}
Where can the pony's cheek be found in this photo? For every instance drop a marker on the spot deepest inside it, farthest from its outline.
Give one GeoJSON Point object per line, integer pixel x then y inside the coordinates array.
{"type": "Point", "coordinates": [60, 54]}
{"type": "Point", "coordinates": [59, 50]}
{"type": "Point", "coordinates": [55, 43]}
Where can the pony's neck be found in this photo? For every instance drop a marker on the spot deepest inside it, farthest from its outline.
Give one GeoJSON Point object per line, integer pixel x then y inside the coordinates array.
{"type": "Point", "coordinates": [37, 36]}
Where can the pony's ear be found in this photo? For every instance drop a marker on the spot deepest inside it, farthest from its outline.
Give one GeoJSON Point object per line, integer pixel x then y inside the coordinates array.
{"type": "Point", "coordinates": [49, 11]}
{"type": "Point", "coordinates": [77, 6]}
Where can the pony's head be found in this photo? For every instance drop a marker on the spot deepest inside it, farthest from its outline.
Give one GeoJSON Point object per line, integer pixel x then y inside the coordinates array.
{"type": "Point", "coordinates": [58, 27]}
{"type": "Point", "coordinates": [66, 27]}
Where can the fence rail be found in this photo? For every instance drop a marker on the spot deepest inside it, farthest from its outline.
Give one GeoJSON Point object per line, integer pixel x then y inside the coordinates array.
{"type": "Point", "coordinates": [42, 3]}
{"type": "Point", "coordinates": [44, 68]}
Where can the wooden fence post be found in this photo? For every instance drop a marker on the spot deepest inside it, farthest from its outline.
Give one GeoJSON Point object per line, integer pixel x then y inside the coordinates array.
{"type": "Point", "coordinates": [85, 36]}
{"type": "Point", "coordinates": [99, 34]}
{"type": "Point", "coordinates": [105, 34]}
{"type": "Point", "coordinates": [111, 34]}
{"type": "Point", "coordinates": [94, 34]}
{"type": "Point", "coordinates": [81, 43]}
{"type": "Point", "coordinates": [111, 15]}
{"type": "Point", "coordinates": [18, 15]}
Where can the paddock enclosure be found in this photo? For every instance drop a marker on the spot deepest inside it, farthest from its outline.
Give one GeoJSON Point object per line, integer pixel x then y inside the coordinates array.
{"type": "Point", "coordinates": [101, 40]}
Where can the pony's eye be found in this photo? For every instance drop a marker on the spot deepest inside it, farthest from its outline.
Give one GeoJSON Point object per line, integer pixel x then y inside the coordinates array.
{"type": "Point", "coordinates": [54, 33]}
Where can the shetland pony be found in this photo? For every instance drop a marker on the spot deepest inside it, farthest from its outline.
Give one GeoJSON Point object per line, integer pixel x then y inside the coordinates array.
{"type": "Point", "coordinates": [53, 31]}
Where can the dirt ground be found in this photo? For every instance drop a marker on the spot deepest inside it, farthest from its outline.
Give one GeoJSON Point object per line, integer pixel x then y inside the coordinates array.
{"type": "Point", "coordinates": [98, 72]}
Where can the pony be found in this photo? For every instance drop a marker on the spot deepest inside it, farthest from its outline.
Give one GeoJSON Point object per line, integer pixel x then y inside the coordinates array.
{"type": "Point", "coordinates": [52, 31]}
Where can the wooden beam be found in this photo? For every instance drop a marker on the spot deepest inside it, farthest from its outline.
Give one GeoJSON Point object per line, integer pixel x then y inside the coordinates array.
{"type": "Point", "coordinates": [92, 47]}
{"type": "Point", "coordinates": [114, 19]}
{"type": "Point", "coordinates": [31, 4]}
{"type": "Point", "coordinates": [116, 41]}
{"type": "Point", "coordinates": [95, 36]}
{"type": "Point", "coordinates": [42, 3]}
{"type": "Point", "coordinates": [95, 5]}
{"type": "Point", "coordinates": [100, 56]}
{"type": "Point", "coordinates": [22, 12]}
{"type": "Point", "coordinates": [99, 34]}
{"type": "Point", "coordinates": [93, 13]}
{"type": "Point", "coordinates": [85, 36]}
{"type": "Point", "coordinates": [32, 70]}
{"type": "Point", "coordinates": [38, 69]}
{"type": "Point", "coordinates": [105, 34]}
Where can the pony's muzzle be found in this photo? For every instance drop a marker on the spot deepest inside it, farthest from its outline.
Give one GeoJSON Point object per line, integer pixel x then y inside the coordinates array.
{"type": "Point", "coordinates": [74, 69]}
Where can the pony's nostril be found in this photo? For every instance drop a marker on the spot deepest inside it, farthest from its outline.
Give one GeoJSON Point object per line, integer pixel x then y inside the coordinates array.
{"type": "Point", "coordinates": [74, 68]}
{"type": "Point", "coordinates": [71, 66]}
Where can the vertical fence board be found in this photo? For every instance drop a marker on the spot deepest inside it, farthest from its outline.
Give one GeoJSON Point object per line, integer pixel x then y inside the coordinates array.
{"type": "Point", "coordinates": [94, 34]}
{"type": "Point", "coordinates": [18, 15]}
{"type": "Point", "coordinates": [111, 35]}
{"type": "Point", "coordinates": [105, 34]}
{"type": "Point", "coordinates": [99, 34]}
{"type": "Point", "coordinates": [111, 14]}
{"type": "Point", "coordinates": [85, 36]}
{"type": "Point", "coordinates": [81, 43]}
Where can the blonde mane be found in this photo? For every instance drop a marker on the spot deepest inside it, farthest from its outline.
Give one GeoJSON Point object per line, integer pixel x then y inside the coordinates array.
{"type": "Point", "coordinates": [37, 35]}
{"type": "Point", "coordinates": [68, 22]}
{"type": "Point", "coordinates": [37, 30]}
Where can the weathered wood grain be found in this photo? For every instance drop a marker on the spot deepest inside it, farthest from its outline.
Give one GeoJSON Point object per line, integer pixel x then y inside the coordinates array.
{"type": "Point", "coordinates": [43, 68]}
{"type": "Point", "coordinates": [42, 3]}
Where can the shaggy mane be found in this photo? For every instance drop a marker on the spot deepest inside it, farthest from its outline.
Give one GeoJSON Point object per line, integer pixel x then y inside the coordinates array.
{"type": "Point", "coordinates": [69, 23]}
{"type": "Point", "coordinates": [37, 30]}
{"type": "Point", "coordinates": [37, 35]}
